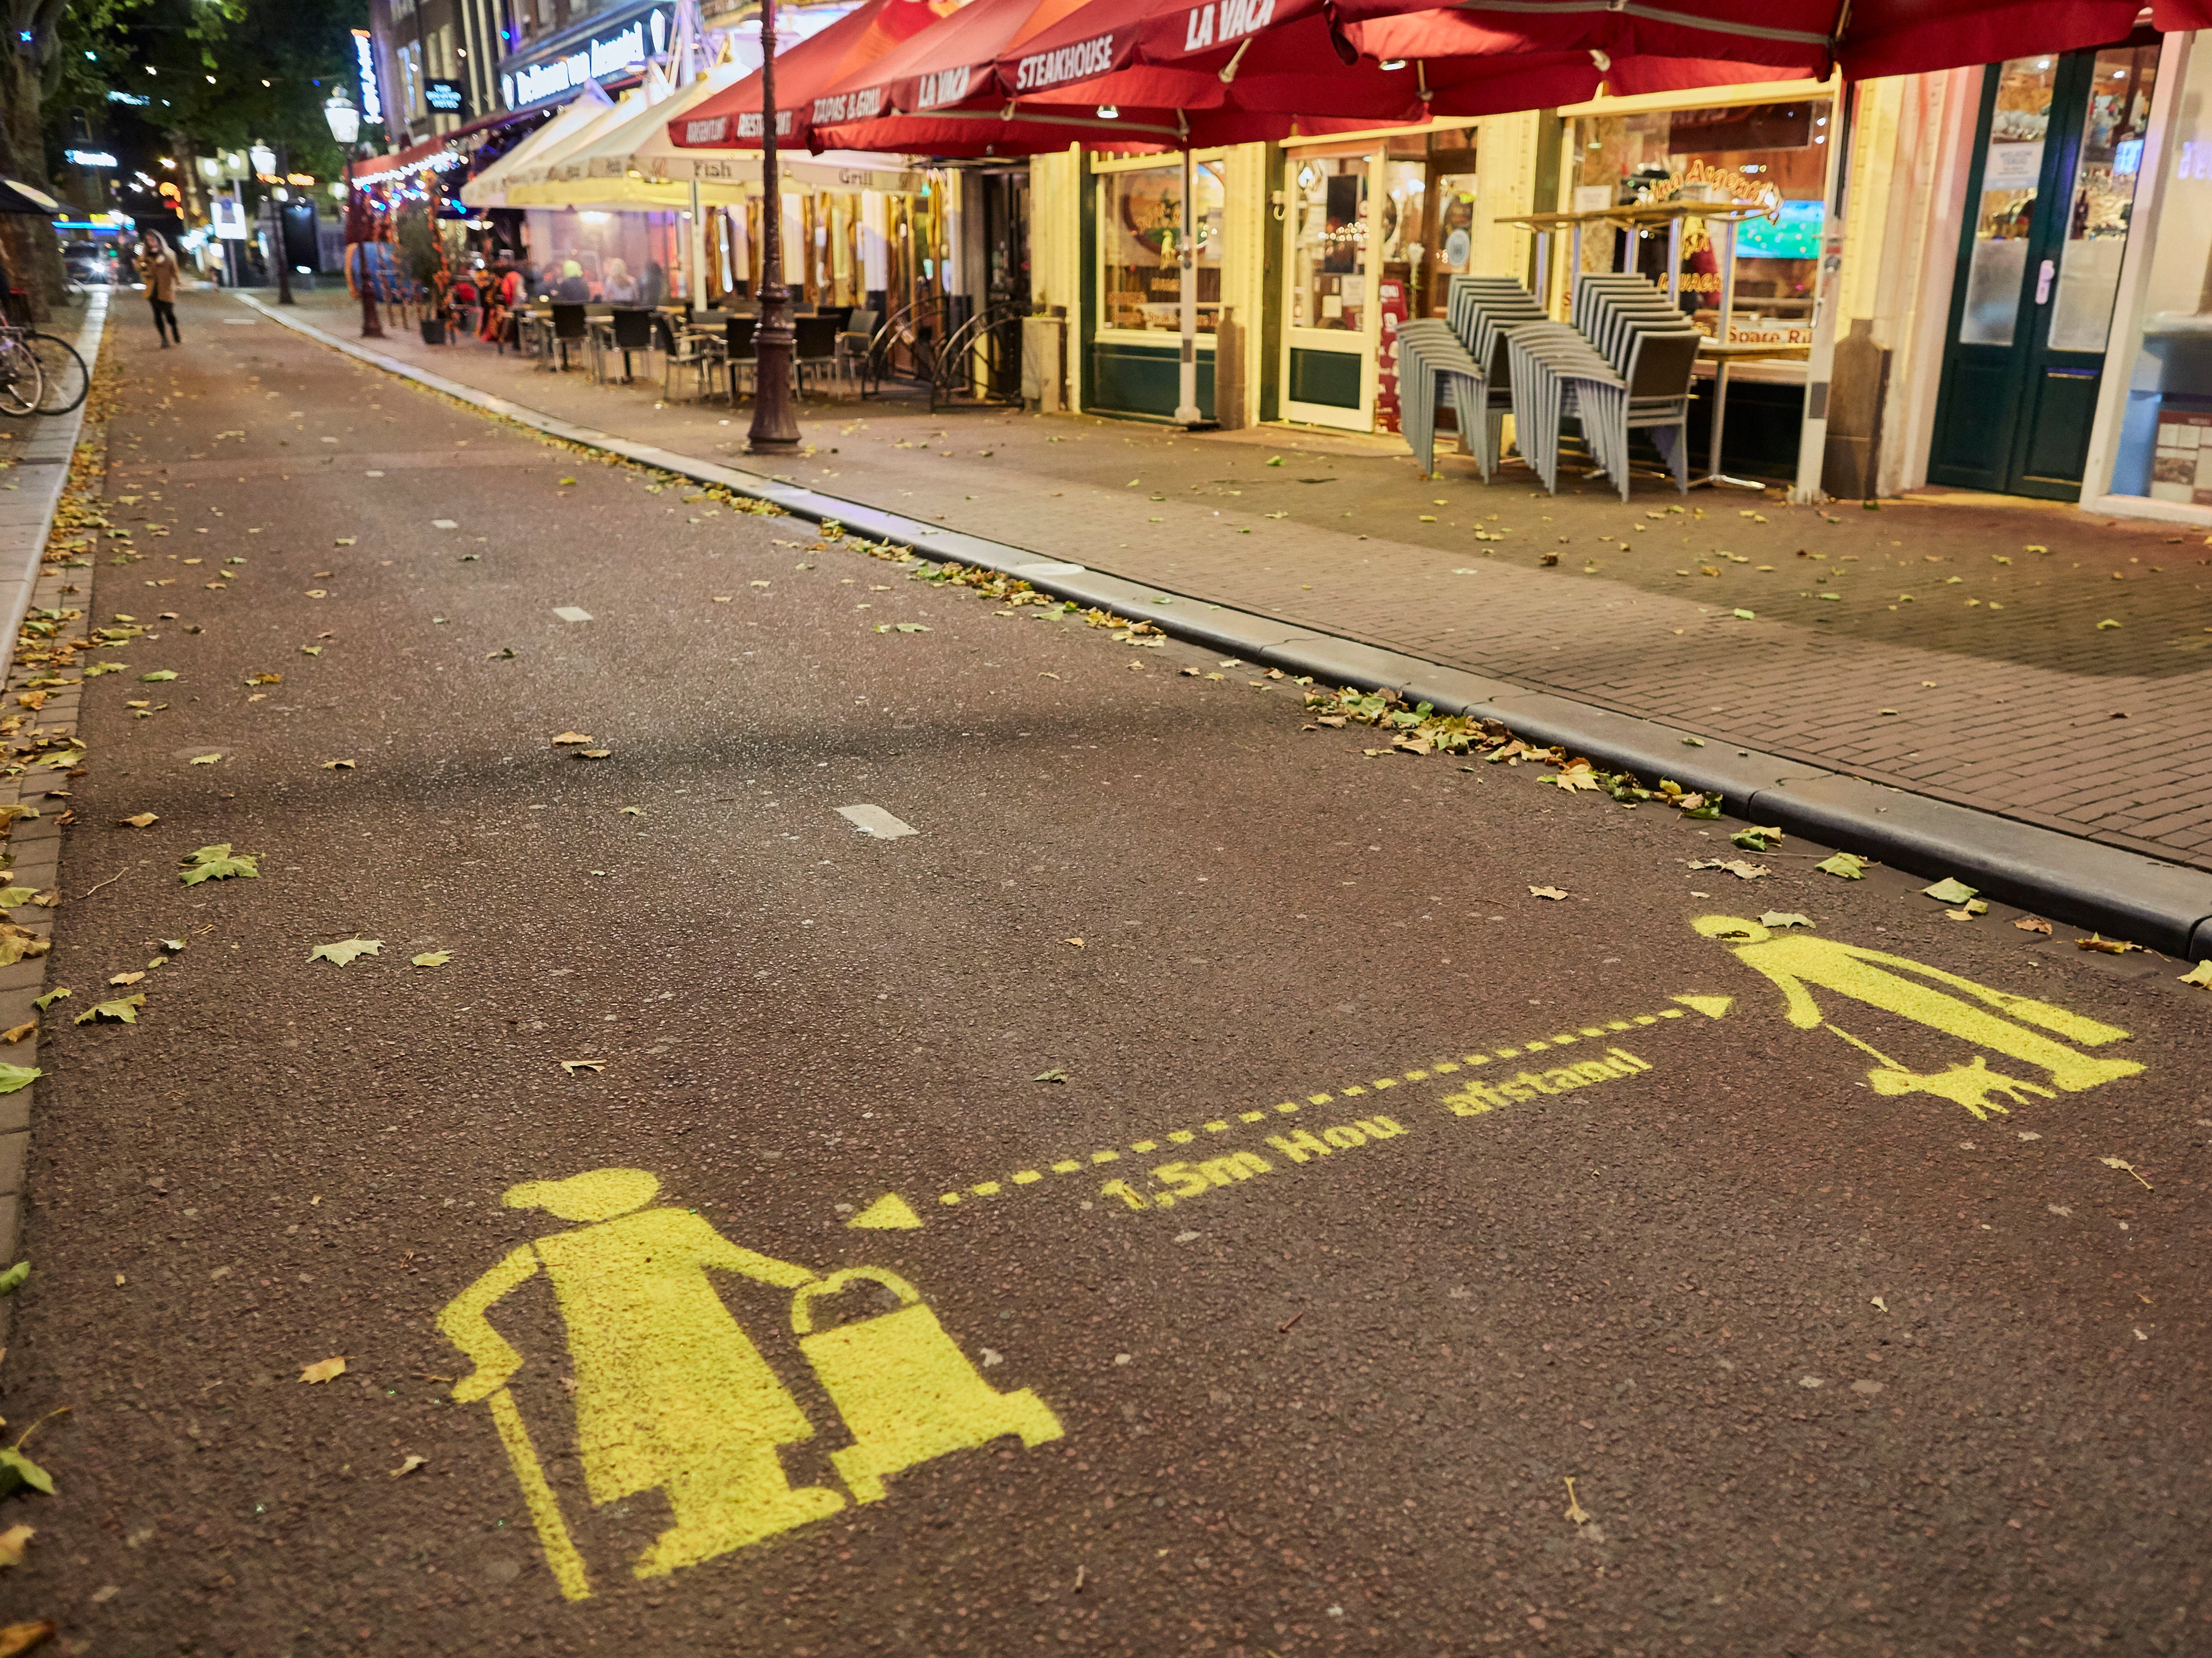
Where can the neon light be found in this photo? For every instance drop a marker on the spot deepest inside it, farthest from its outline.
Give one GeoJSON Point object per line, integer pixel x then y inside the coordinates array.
{"type": "Point", "coordinates": [372, 99]}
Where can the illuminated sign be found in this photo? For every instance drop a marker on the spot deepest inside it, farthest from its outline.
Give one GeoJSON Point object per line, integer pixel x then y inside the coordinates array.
{"type": "Point", "coordinates": [90, 157]}
{"type": "Point", "coordinates": [616, 47]}
{"type": "Point", "coordinates": [372, 100]}
{"type": "Point", "coordinates": [445, 97]}
{"type": "Point", "coordinates": [229, 218]}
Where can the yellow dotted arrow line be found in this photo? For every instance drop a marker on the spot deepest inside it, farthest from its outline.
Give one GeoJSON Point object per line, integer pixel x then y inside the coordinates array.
{"type": "Point", "coordinates": [1020, 1177]}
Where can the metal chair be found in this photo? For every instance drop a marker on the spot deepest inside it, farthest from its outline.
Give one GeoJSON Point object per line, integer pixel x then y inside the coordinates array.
{"type": "Point", "coordinates": [817, 346]}
{"type": "Point", "coordinates": [738, 348]}
{"type": "Point", "coordinates": [853, 341]}
{"type": "Point", "coordinates": [634, 330]}
{"type": "Point", "coordinates": [1432, 359]}
{"type": "Point", "coordinates": [688, 348]}
{"type": "Point", "coordinates": [569, 328]}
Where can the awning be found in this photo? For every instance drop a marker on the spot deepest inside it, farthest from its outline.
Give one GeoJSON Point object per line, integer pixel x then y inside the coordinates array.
{"type": "Point", "coordinates": [432, 155]}
{"type": "Point", "coordinates": [728, 178]}
{"type": "Point", "coordinates": [19, 198]}
{"type": "Point", "coordinates": [488, 188]}
{"type": "Point", "coordinates": [732, 120]}
{"type": "Point", "coordinates": [545, 163]}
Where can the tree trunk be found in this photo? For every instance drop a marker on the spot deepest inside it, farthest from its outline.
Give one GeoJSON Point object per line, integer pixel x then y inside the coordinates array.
{"type": "Point", "coordinates": [32, 250]}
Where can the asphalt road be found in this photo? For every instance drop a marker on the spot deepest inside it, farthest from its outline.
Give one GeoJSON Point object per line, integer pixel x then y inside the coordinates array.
{"type": "Point", "coordinates": [1287, 1201]}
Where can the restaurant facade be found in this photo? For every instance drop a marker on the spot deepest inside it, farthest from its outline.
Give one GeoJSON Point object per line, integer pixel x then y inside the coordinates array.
{"type": "Point", "coordinates": [1994, 278]}
{"type": "Point", "coordinates": [2017, 258]}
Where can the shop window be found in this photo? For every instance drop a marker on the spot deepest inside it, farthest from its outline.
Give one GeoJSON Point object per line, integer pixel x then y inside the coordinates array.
{"type": "Point", "coordinates": [1772, 153]}
{"type": "Point", "coordinates": [1141, 217]}
{"type": "Point", "coordinates": [2165, 446]}
{"type": "Point", "coordinates": [2104, 172]}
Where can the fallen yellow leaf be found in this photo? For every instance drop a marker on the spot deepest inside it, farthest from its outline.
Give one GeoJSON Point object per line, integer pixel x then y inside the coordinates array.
{"type": "Point", "coordinates": [324, 1370]}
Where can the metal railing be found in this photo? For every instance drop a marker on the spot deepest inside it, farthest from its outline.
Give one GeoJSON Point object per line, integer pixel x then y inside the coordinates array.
{"type": "Point", "coordinates": [980, 365]}
{"type": "Point", "coordinates": [905, 346]}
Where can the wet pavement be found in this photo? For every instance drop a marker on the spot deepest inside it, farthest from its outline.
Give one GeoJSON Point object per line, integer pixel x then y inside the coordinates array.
{"type": "Point", "coordinates": [1193, 1194]}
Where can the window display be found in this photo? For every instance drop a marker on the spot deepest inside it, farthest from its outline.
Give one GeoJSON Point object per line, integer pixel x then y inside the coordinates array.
{"type": "Point", "coordinates": [1141, 218]}
{"type": "Point", "coordinates": [1772, 153]}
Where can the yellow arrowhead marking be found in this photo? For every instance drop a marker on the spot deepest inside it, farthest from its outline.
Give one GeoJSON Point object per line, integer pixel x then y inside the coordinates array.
{"type": "Point", "coordinates": [1713, 1007]}
{"type": "Point", "coordinates": [889, 1213]}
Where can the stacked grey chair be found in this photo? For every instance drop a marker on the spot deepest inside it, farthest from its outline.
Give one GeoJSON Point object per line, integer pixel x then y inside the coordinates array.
{"type": "Point", "coordinates": [1555, 370]}
{"type": "Point", "coordinates": [1482, 311]}
{"type": "Point", "coordinates": [1432, 362]}
{"type": "Point", "coordinates": [1647, 350]}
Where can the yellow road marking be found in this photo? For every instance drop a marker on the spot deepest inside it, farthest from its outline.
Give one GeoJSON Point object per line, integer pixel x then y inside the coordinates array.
{"type": "Point", "coordinates": [1435, 1070]}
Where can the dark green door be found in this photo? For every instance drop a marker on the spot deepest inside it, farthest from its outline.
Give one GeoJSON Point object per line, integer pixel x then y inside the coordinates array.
{"type": "Point", "coordinates": [2059, 151]}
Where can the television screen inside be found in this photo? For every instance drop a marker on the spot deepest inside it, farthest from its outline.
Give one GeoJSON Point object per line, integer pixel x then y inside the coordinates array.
{"type": "Point", "coordinates": [1796, 235]}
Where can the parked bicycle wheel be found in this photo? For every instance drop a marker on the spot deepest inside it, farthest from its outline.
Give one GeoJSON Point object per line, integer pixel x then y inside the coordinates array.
{"type": "Point", "coordinates": [22, 381]}
{"type": "Point", "coordinates": [67, 380]}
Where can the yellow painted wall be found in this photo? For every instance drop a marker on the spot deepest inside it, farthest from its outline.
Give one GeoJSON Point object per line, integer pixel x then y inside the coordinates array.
{"type": "Point", "coordinates": [1056, 249]}
{"type": "Point", "coordinates": [1247, 221]}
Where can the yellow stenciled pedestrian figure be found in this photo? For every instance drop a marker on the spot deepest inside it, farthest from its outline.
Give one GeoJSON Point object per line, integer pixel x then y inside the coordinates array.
{"type": "Point", "coordinates": [1800, 963]}
{"type": "Point", "coordinates": [670, 1393]}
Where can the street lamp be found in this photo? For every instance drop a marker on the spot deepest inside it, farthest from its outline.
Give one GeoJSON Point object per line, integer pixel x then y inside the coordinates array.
{"type": "Point", "coordinates": [774, 430]}
{"type": "Point", "coordinates": [360, 232]}
{"type": "Point", "coordinates": [344, 119]}
{"type": "Point", "coordinates": [265, 161]}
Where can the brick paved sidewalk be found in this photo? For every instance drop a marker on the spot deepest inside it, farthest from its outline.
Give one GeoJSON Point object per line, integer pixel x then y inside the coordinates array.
{"type": "Point", "coordinates": [1947, 643]}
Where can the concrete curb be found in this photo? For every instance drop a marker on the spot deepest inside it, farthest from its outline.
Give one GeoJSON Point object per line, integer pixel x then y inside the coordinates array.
{"type": "Point", "coordinates": [2162, 905]}
{"type": "Point", "coordinates": [34, 845]}
{"type": "Point", "coordinates": [47, 455]}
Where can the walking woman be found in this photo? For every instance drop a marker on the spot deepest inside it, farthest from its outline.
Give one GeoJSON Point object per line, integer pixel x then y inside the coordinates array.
{"type": "Point", "coordinates": [157, 269]}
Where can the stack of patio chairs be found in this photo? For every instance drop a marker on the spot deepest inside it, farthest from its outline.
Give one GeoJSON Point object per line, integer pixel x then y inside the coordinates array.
{"type": "Point", "coordinates": [1483, 311]}
{"type": "Point", "coordinates": [1651, 349]}
{"type": "Point", "coordinates": [1623, 365]}
{"type": "Point", "coordinates": [1431, 363]}
{"type": "Point", "coordinates": [1464, 359]}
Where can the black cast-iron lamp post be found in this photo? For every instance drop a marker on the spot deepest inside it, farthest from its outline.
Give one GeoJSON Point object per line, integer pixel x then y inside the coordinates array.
{"type": "Point", "coordinates": [774, 430]}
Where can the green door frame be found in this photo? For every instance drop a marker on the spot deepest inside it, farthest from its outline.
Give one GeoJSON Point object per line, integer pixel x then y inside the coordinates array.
{"type": "Point", "coordinates": [2015, 419]}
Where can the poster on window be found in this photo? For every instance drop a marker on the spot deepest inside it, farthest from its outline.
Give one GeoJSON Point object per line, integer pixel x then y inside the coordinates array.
{"type": "Point", "coordinates": [1390, 304]}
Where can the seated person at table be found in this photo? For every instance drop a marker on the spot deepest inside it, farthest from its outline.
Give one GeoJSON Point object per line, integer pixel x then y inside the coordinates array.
{"type": "Point", "coordinates": [572, 288]}
{"type": "Point", "coordinates": [654, 289]}
{"type": "Point", "coordinates": [618, 288]}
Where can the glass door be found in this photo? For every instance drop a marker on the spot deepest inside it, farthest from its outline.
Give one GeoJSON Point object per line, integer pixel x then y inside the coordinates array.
{"type": "Point", "coordinates": [1330, 319]}
{"type": "Point", "coordinates": [2061, 144]}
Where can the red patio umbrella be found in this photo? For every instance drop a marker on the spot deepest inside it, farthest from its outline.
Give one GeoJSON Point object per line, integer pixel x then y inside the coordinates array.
{"type": "Point", "coordinates": [731, 119]}
{"type": "Point", "coordinates": [939, 93]}
{"type": "Point", "coordinates": [1634, 41]}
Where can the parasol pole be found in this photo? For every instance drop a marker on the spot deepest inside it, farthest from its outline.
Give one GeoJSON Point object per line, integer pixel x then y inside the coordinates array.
{"type": "Point", "coordinates": [1187, 411]}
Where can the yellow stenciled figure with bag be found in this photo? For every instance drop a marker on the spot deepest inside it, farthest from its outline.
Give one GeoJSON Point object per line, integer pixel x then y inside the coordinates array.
{"type": "Point", "coordinates": [1968, 1012]}
{"type": "Point", "coordinates": [671, 1394]}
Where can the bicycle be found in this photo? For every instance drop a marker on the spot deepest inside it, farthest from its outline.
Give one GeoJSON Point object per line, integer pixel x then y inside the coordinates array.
{"type": "Point", "coordinates": [65, 378]}
{"type": "Point", "coordinates": [23, 377]}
